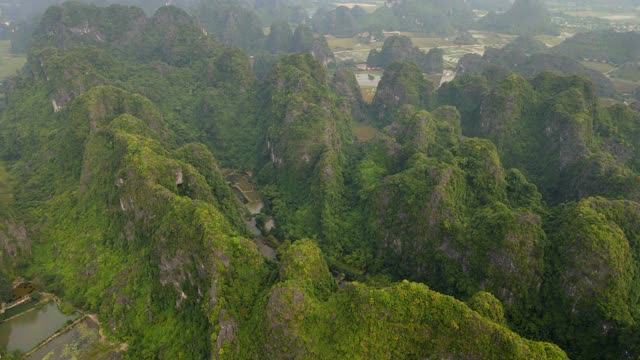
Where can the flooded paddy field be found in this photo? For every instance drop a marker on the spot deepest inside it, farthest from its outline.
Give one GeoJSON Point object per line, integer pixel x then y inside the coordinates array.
{"type": "Point", "coordinates": [34, 325]}
{"type": "Point", "coordinates": [28, 329]}
{"type": "Point", "coordinates": [81, 341]}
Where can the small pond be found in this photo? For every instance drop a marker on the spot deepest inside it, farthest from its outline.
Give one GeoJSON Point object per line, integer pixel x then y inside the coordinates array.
{"type": "Point", "coordinates": [27, 330]}
{"type": "Point", "coordinates": [23, 289]}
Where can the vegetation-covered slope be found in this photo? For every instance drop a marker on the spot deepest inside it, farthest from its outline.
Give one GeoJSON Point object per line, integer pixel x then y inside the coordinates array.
{"type": "Point", "coordinates": [151, 227]}
{"type": "Point", "coordinates": [145, 227]}
{"type": "Point", "coordinates": [302, 151]}
{"type": "Point", "coordinates": [562, 154]}
{"type": "Point", "coordinates": [402, 84]}
{"type": "Point", "coordinates": [594, 278]}
{"type": "Point", "coordinates": [516, 196]}
{"type": "Point", "coordinates": [306, 316]}
{"type": "Point", "coordinates": [453, 217]}
{"type": "Point", "coordinates": [232, 23]}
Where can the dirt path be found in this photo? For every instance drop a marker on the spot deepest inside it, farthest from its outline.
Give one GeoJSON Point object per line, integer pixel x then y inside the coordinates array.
{"type": "Point", "coordinates": [103, 338]}
{"type": "Point", "coordinates": [36, 306]}
{"type": "Point", "coordinates": [21, 301]}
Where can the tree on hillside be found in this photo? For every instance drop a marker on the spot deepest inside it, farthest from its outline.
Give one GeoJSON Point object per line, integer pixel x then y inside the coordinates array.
{"type": "Point", "coordinates": [6, 289]}
{"type": "Point", "coordinates": [6, 196]}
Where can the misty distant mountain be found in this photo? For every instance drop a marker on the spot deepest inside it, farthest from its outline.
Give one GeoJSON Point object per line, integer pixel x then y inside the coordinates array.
{"type": "Point", "coordinates": [525, 17]}
{"type": "Point", "coordinates": [491, 5]}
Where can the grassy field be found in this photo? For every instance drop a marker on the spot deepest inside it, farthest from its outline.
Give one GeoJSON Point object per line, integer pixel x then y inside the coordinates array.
{"type": "Point", "coordinates": [606, 102]}
{"type": "Point", "coordinates": [346, 43]}
{"type": "Point", "coordinates": [597, 66]}
{"type": "Point", "coordinates": [550, 40]}
{"type": "Point", "coordinates": [629, 73]}
{"type": "Point", "coordinates": [492, 38]}
{"type": "Point", "coordinates": [624, 86]}
{"type": "Point", "coordinates": [9, 62]}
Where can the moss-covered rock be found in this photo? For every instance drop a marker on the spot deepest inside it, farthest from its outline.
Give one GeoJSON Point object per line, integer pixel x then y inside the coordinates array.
{"type": "Point", "coordinates": [305, 41]}
{"type": "Point", "coordinates": [399, 321]}
{"type": "Point", "coordinates": [554, 129]}
{"type": "Point", "coordinates": [304, 262]}
{"type": "Point", "coordinates": [401, 84]}
{"type": "Point", "coordinates": [346, 86]}
{"type": "Point", "coordinates": [488, 306]}
{"type": "Point", "coordinates": [593, 277]}
{"type": "Point", "coordinates": [399, 48]}
{"type": "Point", "coordinates": [452, 216]}
{"type": "Point", "coordinates": [108, 202]}
{"type": "Point", "coordinates": [602, 45]}
{"type": "Point", "coordinates": [303, 147]}
{"type": "Point", "coordinates": [528, 57]}
{"type": "Point", "coordinates": [140, 225]}
{"type": "Point", "coordinates": [170, 34]}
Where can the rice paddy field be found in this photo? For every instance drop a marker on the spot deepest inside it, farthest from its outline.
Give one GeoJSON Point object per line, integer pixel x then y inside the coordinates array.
{"type": "Point", "coordinates": [81, 341]}
{"type": "Point", "coordinates": [349, 49]}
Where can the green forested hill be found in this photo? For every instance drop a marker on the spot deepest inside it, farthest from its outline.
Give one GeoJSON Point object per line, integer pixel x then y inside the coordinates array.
{"type": "Point", "coordinates": [480, 215]}
{"type": "Point", "coordinates": [426, 16]}
{"type": "Point", "coordinates": [605, 45]}
{"type": "Point", "coordinates": [528, 57]}
{"type": "Point", "coordinates": [555, 129]}
{"type": "Point", "coordinates": [303, 145]}
{"type": "Point", "coordinates": [524, 17]}
{"type": "Point", "coordinates": [399, 48]}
